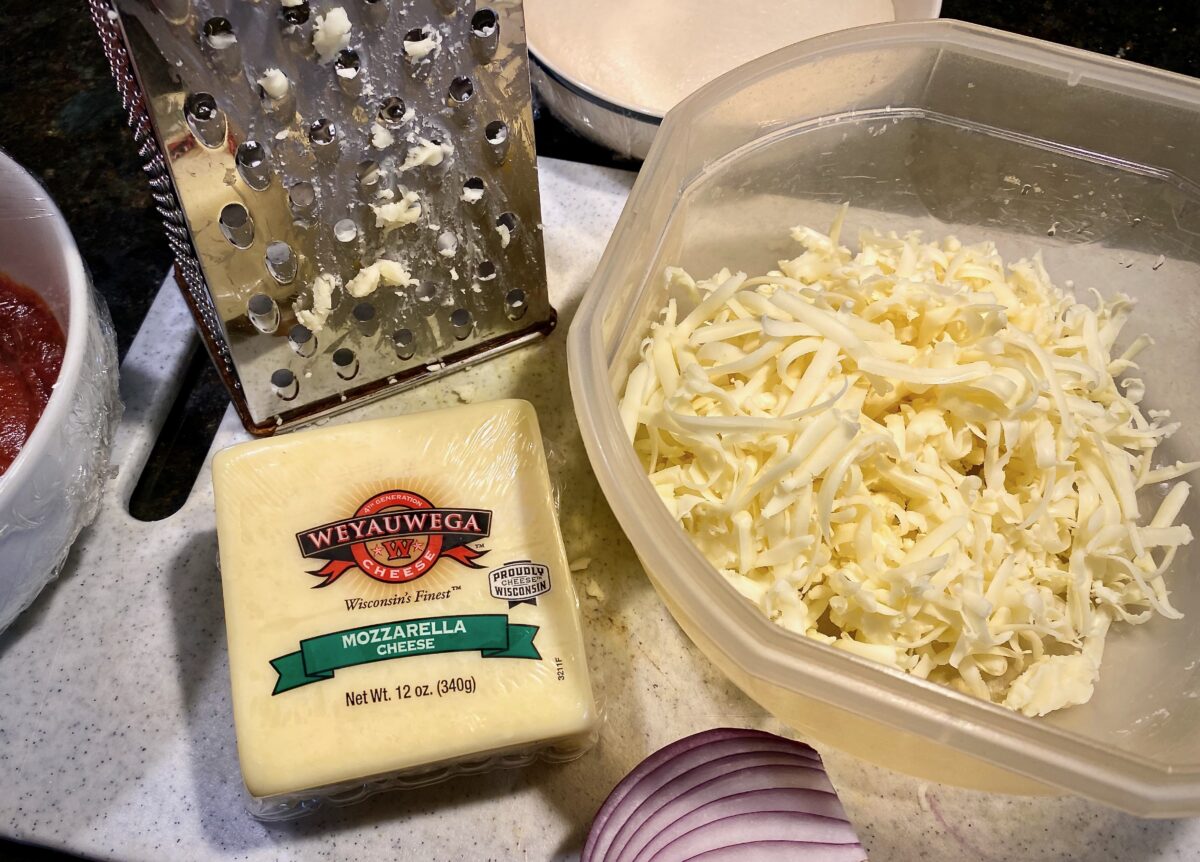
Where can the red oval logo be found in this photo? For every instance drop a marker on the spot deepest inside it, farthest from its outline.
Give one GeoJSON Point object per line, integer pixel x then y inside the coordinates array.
{"type": "Point", "coordinates": [395, 537]}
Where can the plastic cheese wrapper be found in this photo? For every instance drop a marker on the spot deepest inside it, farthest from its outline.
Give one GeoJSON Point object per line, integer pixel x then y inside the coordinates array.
{"type": "Point", "coordinates": [398, 606]}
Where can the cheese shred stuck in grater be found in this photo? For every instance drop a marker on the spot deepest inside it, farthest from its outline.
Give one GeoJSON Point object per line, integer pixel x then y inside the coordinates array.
{"type": "Point", "coordinates": [349, 187]}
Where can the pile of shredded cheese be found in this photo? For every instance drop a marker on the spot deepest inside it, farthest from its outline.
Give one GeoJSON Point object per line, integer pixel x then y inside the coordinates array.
{"type": "Point", "coordinates": [915, 454]}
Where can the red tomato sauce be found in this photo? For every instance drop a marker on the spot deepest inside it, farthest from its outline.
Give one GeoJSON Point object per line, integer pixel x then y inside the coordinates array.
{"type": "Point", "coordinates": [31, 354]}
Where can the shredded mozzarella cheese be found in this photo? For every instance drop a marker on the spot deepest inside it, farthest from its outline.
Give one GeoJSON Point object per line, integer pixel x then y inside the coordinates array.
{"type": "Point", "coordinates": [915, 454]}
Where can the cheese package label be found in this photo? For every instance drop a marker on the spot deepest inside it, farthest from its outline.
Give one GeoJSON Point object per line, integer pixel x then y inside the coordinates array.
{"type": "Point", "coordinates": [397, 598]}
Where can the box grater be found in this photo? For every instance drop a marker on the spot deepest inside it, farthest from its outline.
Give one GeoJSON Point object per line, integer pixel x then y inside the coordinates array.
{"type": "Point", "coordinates": [349, 187]}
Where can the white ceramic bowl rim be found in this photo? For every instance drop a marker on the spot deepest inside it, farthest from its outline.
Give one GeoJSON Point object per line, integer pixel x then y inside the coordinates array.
{"type": "Point", "coordinates": [20, 187]}
{"type": "Point", "coordinates": [634, 112]}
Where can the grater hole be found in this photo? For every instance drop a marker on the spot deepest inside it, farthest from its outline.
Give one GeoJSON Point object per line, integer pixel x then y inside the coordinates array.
{"type": "Point", "coordinates": [367, 174]}
{"type": "Point", "coordinates": [426, 292]}
{"type": "Point", "coordinates": [218, 34]}
{"type": "Point", "coordinates": [447, 243]}
{"type": "Point", "coordinates": [204, 119]}
{"type": "Point", "coordinates": [462, 89]}
{"type": "Point", "coordinates": [302, 340]}
{"type": "Point", "coordinates": [420, 46]}
{"type": "Point", "coordinates": [461, 323]}
{"type": "Point", "coordinates": [252, 164]}
{"type": "Point", "coordinates": [485, 34]}
{"type": "Point", "coordinates": [484, 24]}
{"type": "Point", "coordinates": [515, 304]}
{"type": "Point", "coordinates": [506, 226]}
{"type": "Point", "coordinates": [281, 262]}
{"type": "Point", "coordinates": [236, 225]}
{"type": "Point", "coordinates": [347, 65]}
{"type": "Point", "coordinates": [405, 343]}
{"type": "Point", "coordinates": [201, 107]}
{"type": "Point", "coordinates": [345, 362]}
{"type": "Point", "coordinates": [486, 271]}
{"type": "Point", "coordinates": [345, 230]}
{"type": "Point", "coordinates": [263, 313]}
{"type": "Point", "coordinates": [296, 15]}
{"type": "Point", "coordinates": [363, 312]}
{"type": "Point", "coordinates": [473, 190]}
{"type": "Point", "coordinates": [273, 88]}
{"type": "Point", "coordinates": [322, 132]}
{"type": "Point", "coordinates": [496, 132]}
{"type": "Point", "coordinates": [391, 111]}
{"type": "Point", "coordinates": [285, 384]}
{"type": "Point", "coordinates": [303, 199]}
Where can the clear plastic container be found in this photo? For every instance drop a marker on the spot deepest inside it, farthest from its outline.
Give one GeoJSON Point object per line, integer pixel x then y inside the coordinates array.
{"type": "Point", "coordinates": [956, 129]}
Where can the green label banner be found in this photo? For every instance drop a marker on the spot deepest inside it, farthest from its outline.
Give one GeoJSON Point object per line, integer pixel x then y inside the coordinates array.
{"type": "Point", "coordinates": [318, 657]}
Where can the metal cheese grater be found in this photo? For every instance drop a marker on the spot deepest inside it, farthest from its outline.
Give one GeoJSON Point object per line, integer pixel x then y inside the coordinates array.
{"type": "Point", "coordinates": [287, 155]}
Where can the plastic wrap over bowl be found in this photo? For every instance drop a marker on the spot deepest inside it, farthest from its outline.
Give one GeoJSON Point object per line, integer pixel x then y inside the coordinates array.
{"type": "Point", "coordinates": [952, 129]}
{"type": "Point", "coordinates": [52, 489]}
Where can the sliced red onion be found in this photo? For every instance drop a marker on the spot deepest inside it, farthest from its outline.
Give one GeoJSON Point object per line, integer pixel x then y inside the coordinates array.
{"type": "Point", "coordinates": [773, 799]}
{"type": "Point", "coordinates": [695, 767]}
{"type": "Point", "coordinates": [786, 826]}
{"type": "Point", "coordinates": [658, 758]}
{"type": "Point", "coordinates": [784, 851]}
{"type": "Point", "coordinates": [721, 778]}
{"type": "Point", "coordinates": [724, 794]}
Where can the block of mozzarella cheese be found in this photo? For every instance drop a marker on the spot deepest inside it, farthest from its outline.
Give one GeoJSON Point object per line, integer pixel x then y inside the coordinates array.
{"type": "Point", "coordinates": [397, 600]}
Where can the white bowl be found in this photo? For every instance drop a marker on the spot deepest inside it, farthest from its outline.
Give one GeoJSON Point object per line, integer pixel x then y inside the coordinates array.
{"type": "Point", "coordinates": [611, 71]}
{"type": "Point", "coordinates": [52, 488]}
